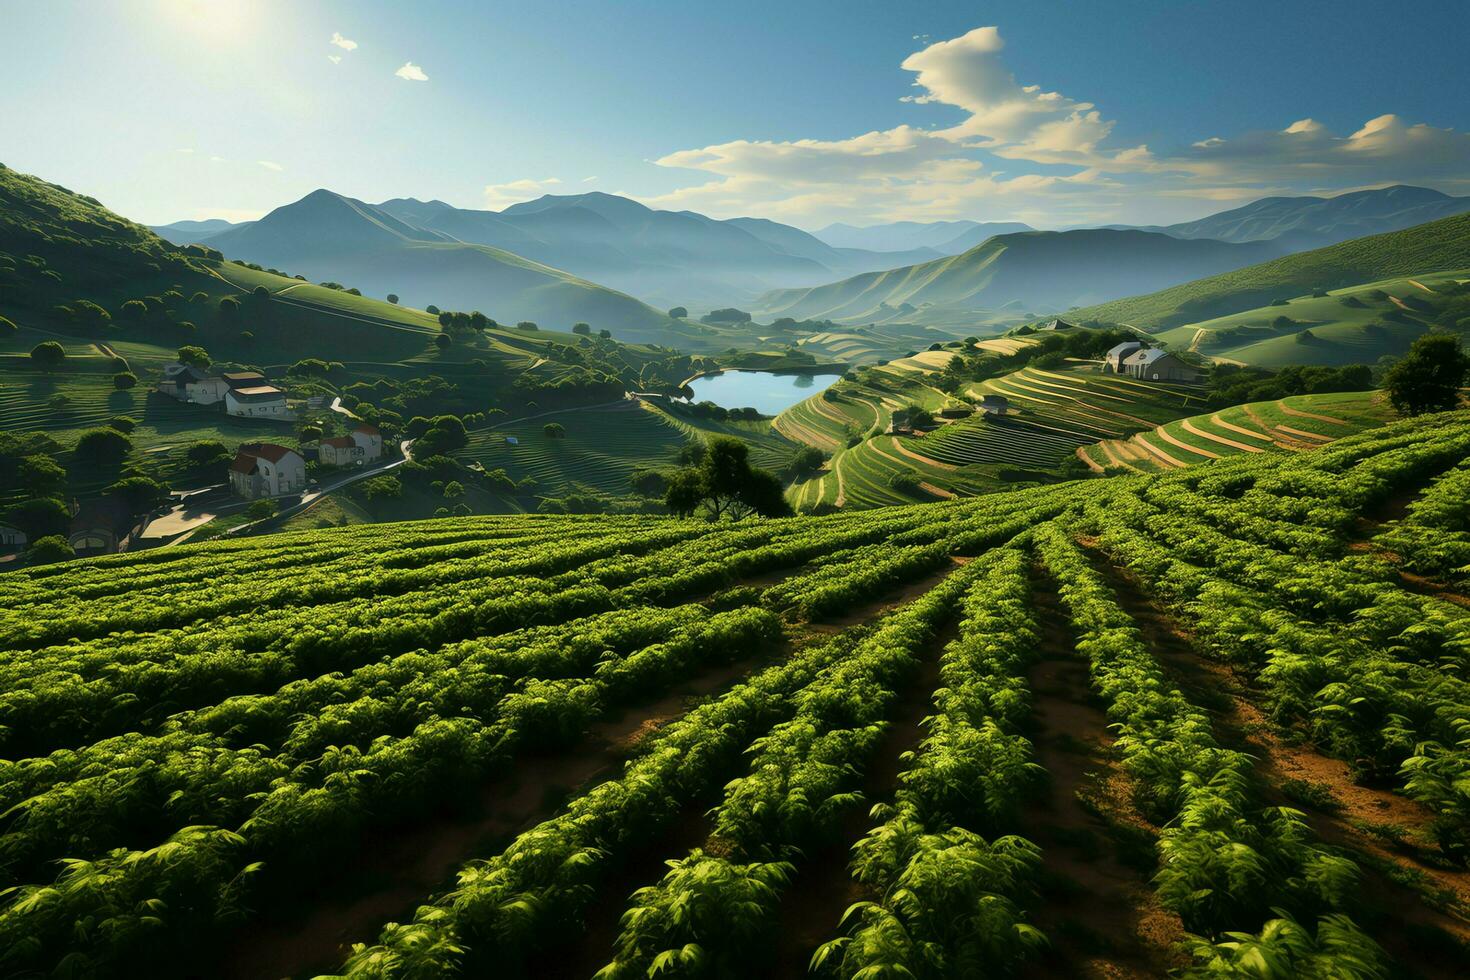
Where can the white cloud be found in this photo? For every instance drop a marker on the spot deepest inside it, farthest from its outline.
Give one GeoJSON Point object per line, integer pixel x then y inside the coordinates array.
{"type": "Point", "coordinates": [412, 72]}
{"type": "Point", "coordinates": [588, 180]}
{"type": "Point", "coordinates": [216, 159]}
{"type": "Point", "coordinates": [271, 165]}
{"type": "Point", "coordinates": [184, 149]}
{"type": "Point", "coordinates": [1055, 150]}
{"type": "Point", "coordinates": [335, 59]}
{"type": "Point", "coordinates": [503, 195]}
{"type": "Point", "coordinates": [343, 42]}
{"type": "Point", "coordinates": [228, 214]}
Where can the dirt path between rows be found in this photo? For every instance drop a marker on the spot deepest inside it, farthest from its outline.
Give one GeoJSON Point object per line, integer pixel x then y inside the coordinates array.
{"type": "Point", "coordinates": [1096, 906]}
{"type": "Point", "coordinates": [823, 887]}
{"type": "Point", "coordinates": [395, 869]}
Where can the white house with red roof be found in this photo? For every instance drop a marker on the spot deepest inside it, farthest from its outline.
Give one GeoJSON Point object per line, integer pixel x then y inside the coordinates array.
{"type": "Point", "coordinates": [369, 439]}
{"type": "Point", "coordinates": [263, 469]}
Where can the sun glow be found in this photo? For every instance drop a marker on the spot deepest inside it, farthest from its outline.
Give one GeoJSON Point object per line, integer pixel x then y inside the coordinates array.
{"type": "Point", "coordinates": [215, 19]}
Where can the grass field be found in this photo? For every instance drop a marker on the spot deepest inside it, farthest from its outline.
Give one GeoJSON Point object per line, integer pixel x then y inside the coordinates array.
{"type": "Point", "coordinates": [1294, 424]}
{"type": "Point", "coordinates": [1355, 325]}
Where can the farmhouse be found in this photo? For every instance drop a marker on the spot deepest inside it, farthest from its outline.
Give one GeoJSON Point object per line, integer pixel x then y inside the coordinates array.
{"type": "Point", "coordinates": [263, 400]}
{"type": "Point", "coordinates": [12, 537]}
{"type": "Point", "coordinates": [263, 469]}
{"type": "Point", "coordinates": [1153, 364]}
{"type": "Point", "coordinates": [368, 439]}
{"type": "Point", "coordinates": [1057, 324]}
{"type": "Point", "coordinates": [995, 404]}
{"type": "Point", "coordinates": [187, 383]}
{"type": "Point", "coordinates": [341, 451]}
{"type": "Point", "coordinates": [1113, 359]}
{"type": "Point", "coordinates": [100, 527]}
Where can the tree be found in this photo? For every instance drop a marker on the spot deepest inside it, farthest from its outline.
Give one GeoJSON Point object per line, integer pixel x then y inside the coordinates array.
{"type": "Point", "coordinates": [39, 517]}
{"type": "Point", "coordinates": [261, 510]}
{"type": "Point", "coordinates": [124, 380]}
{"type": "Point", "coordinates": [102, 446]}
{"type": "Point", "coordinates": [605, 334]}
{"type": "Point", "coordinates": [134, 311]}
{"type": "Point", "coordinates": [679, 312]}
{"type": "Point", "coordinates": [446, 320]}
{"type": "Point", "coordinates": [805, 461]}
{"type": "Point", "coordinates": [527, 326]}
{"type": "Point", "coordinates": [122, 423]}
{"type": "Point", "coordinates": [387, 487]}
{"type": "Point", "coordinates": [194, 356]}
{"type": "Point", "coordinates": [554, 430]}
{"type": "Point", "coordinates": [52, 547]}
{"type": "Point", "coordinates": [726, 485]}
{"type": "Point", "coordinates": [48, 355]}
{"type": "Point", "coordinates": [432, 310]}
{"type": "Point", "coordinates": [260, 292]}
{"type": "Point", "coordinates": [1429, 377]}
{"type": "Point", "coordinates": [445, 434]}
{"type": "Point", "coordinates": [41, 476]}
{"type": "Point", "coordinates": [140, 493]}
{"type": "Point", "coordinates": [584, 329]}
{"type": "Point", "coordinates": [442, 341]}
{"type": "Point", "coordinates": [453, 490]}
{"type": "Point", "coordinates": [393, 298]}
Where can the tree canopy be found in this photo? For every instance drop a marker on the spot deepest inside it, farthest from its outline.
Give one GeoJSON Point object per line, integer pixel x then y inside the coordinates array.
{"type": "Point", "coordinates": [724, 484]}
{"type": "Point", "coordinates": [1429, 377]}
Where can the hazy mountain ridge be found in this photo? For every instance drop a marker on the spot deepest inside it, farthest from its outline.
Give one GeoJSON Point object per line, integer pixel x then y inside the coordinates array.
{"type": "Point", "coordinates": [1038, 269]}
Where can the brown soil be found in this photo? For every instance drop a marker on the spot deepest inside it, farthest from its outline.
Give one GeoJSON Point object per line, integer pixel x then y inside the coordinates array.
{"type": "Point", "coordinates": [1096, 905]}
{"type": "Point", "coordinates": [394, 870]}
{"type": "Point", "coordinates": [1402, 917]}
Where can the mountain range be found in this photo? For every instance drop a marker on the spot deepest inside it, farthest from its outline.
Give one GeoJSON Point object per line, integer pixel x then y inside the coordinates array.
{"type": "Point", "coordinates": [1035, 269]}
{"type": "Point", "coordinates": [944, 237]}
{"type": "Point", "coordinates": [671, 258]}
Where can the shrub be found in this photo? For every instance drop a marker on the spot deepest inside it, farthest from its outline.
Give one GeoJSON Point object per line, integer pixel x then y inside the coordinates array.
{"type": "Point", "coordinates": [48, 355]}
{"type": "Point", "coordinates": [52, 547]}
{"type": "Point", "coordinates": [124, 380]}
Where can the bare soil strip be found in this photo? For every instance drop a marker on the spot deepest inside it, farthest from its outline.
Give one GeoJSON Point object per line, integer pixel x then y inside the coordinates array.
{"type": "Point", "coordinates": [1240, 429]}
{"type": "Point", "coordinates": [1174, 440]}
{"type": "Point", "coordinates": [1096, 905]}
{"type": "Point", "coordinates": [1091, 463]}
{"type": "Point", "coordinates": [1303, 434]}
{"type": "Point", "coordinates": [1165, 457]}
{"type": "Point", "coordinates": [918, 458]}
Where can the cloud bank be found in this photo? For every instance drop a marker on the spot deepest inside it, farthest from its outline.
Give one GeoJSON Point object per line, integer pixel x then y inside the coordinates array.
{"type": "Point", "coordinates": [411, 72]}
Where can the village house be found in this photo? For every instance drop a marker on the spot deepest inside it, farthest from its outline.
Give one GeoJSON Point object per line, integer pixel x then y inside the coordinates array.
{"type": "Point", "coordinates": [243, 379]}
{"type": "Point", "coordinates": [263, 469]}
{"type": "Point", "coordinates": [100, 527]}
{"type": "Point", "coordinates": [12, 537]}
{"type": "Point", "coordinates": [369, 439]}
{"type": "Point", "coordinates": [1152, 364]}
{"type": "Point", "coordinates": [339, 451]}
{"type": "Point", "coordinates": [266, 401]}
{"type": "Point", "coordinates": [1113, 359]}
{"type": "Point", "coordinates": [188, 383]}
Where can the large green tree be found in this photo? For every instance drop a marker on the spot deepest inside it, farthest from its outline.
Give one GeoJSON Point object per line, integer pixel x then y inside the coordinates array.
{"type": "Point", "coordinates": [724, 484]}
{"type": "Point", "coordinates": [1430, 376]}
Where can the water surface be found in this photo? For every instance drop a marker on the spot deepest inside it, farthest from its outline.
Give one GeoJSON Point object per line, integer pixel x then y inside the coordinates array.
{"type": "Point", "coordinates": [764, 391]}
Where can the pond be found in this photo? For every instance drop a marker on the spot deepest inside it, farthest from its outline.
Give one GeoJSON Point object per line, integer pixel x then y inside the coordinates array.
{"type": "Point", "coordinates": [764, 391]}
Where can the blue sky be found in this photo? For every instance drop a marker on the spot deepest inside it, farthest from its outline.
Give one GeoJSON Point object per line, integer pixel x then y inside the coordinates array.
{"type": "Point", "coordinates": [803, 111]}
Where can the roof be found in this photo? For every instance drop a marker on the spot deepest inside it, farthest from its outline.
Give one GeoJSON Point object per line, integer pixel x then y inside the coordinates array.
{"type": "Point", "coordinates": [241, 376]}
{"type": "Point", "coordinates": [260, 394]}
{"type": "Point", "coordinates": [367, 430]}
{"type": "Point", "coordinates": [340, 442]}
{"type": "Point", "coordinates": [1149, 355]}
{"type": "Point", "coordinates": [265, 450]}
{"type": "Point", "coordinates": [1125, 348]}
{"type": "Point", "coordinates": [1057, 324]}
{"type": "Point", "coordinates": [187, 374]}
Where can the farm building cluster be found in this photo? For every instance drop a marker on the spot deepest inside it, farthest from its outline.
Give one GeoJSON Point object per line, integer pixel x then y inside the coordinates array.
{"type": "Point", "coordinates": [1136, 359]}
{"type": "Point", "coordinates": [246, 394]}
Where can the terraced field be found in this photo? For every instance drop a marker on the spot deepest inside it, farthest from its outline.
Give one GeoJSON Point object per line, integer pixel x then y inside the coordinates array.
{"type": "Point", "coordinates": [1292, 424]}
{"type": "Point", "coordinates": [602, 448]}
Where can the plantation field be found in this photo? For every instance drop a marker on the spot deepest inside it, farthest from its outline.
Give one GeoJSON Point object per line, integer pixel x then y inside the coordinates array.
{"type": "Point", "coordinates": [1052, 413]}
{"type": "Point", "coordinates": [1166, 709]}
{"type": "Point", "coordinates": [1296, 423]}
{"type": "Point", "coordinates": [602, 448]}
{"type": "Point", "coordinates": [1355, 325]}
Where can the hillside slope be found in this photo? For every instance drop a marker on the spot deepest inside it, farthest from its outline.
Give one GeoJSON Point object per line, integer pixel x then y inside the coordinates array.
{"type": "Point", "coordinates": [1437, 245]}
{"type": "Point", "coordinates": [326, 236]}
{"type": "Point", "coordinates": [1040, 269]}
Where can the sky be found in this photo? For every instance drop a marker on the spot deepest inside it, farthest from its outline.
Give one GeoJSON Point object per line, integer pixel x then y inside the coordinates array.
{"type": "Point", "coordinates": [808, 112]}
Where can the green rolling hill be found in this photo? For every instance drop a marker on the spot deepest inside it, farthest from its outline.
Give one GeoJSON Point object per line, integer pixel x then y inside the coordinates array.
{"type": "Point", "coordinates": [1039, 269]}
{"type": "Point", "coordinates": [1356, 325]}
{"type": "Point", "coordinates": [1430, 247]}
